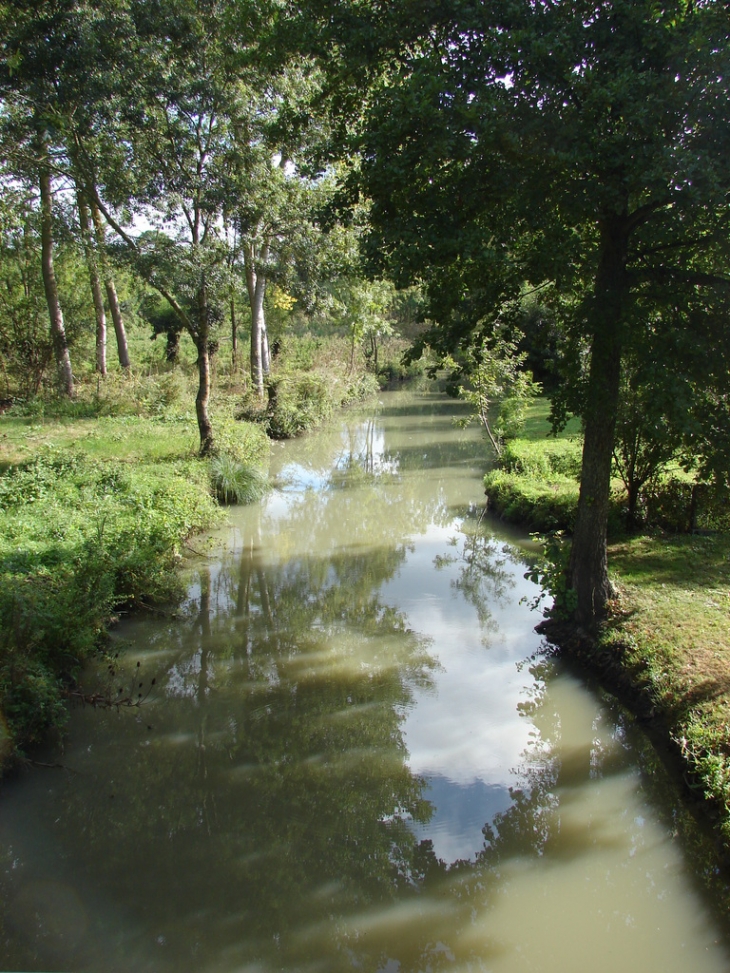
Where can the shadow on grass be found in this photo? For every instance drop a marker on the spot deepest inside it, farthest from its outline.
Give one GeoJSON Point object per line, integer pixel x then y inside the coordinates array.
{"type": "Point", "coordinates": [683, 561]}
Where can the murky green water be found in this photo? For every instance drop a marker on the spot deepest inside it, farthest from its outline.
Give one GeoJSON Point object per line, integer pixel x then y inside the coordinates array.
{"type": "Point", "coordinates": [353, 755]}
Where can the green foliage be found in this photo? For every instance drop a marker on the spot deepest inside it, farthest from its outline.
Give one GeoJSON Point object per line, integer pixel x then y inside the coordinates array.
{"type": "Point", "coordinates": [680, 504]}
{"type": "Point", "coordinates": [536, 482]}
{"type": "Point", "coordinates": [77, 539]}
{"type": "Point", "coordinates": [236, 482]}
{"type": "Point", "coordinates": [245, 442]}
{"type": "Point", "coordinates": [550, 572]}
{"type": "Point", "coordinates": [498, 389]}
{"type": "Point", "coordinates": [543, 458]}
{"type": "Point", "coordinates": [298, 401]}
{"type": "Point", "coordinates": [539, 504]}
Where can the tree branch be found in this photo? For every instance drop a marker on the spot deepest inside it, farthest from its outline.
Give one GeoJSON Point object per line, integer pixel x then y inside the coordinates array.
{"type": "Point", "coordinates": [662, 275]}
{"type": "Point", "coordinates": [134, 246]}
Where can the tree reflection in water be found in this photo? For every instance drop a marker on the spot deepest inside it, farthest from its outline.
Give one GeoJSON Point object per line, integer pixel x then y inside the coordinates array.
{"type": "Point", "coordinates": [261, 813]}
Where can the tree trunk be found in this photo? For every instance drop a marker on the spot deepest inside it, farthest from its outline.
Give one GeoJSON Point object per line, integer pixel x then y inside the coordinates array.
{"type": "Point", "coordinates": [207, 444]}
{"type": "Point", "coordinates": [203, 397]}
{"type": "Point", "coordinates": [234, 335]}
{"type": "Point", "coordinates": [588, 569]}
{"type": "Point", "coordinates": [632, 504]}
{"type": "Point", "coordinates": [58, 331]}
{"type": "Point", "coordinates": [111, 291]}
{"type": "Point", "coordinates": [265, 352]}
{"type": "Point", "coordinates": [96, 292]}
{"type": "Point", "coordinates": [256, 284]}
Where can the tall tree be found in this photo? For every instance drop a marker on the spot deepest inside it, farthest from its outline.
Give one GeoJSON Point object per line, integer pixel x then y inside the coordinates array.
{"type": "Point", "coordinates": [582, 145]}
{"type": "Point", "coordinates": [34, 100]}
{"type": "Point", "coordinates": [179, 135]}
{"type": "Point", "coordinates": [87, 239]}
{"type": "Point", "coordinates": [55, 313]}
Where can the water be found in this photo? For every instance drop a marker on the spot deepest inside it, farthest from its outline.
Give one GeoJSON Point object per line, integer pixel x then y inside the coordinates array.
{"type": "Point", "coordinates": [355, 755]}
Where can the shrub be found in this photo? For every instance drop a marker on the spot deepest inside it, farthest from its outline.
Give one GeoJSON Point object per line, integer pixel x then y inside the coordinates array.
{"type": "Point", "coordinates": [540, 505]}
{"type": "Point", "coordinates": [678, 505]}
{"type": "Point", "coordinates": [296, 403]}
{"type": "Point", "coordinates": [542, 458]}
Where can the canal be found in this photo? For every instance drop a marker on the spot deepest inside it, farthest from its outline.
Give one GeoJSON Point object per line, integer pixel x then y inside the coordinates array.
{"type": "Point", "coordinates": [352, 752]}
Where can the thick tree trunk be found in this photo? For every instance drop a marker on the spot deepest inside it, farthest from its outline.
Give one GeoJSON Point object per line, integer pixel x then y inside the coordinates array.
{"type": "Point", "coordinates": [588, 569]}
{"type": "Point", "coordinates": [111, 292]}
{"type": "Point", "coordinates": [96, 291]}
{"type": "Point", "coordinates": [203, 398]}
{"type": "Point", "coordinates": [58, 331]}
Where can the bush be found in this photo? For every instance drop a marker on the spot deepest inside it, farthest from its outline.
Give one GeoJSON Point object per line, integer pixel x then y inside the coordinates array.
{"type": "Point", "coordinates": [297, 403]}
{"type": "Point", "coordinates": [540, 505]}
{"type": "Point", "coordinates": [680, 505]}
{"type": "Point", "coordinates": [300, 401]}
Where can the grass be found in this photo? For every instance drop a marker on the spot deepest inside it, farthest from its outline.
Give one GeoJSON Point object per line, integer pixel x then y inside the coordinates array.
{"type": "Point", "coordinates": [671, 629]}
{"type": "Point", "coordinates": [536, 483]}
{"type": "Point", "coordinates": [94, 511]}
{"type": "Point", "coordinates": [98, 495]}
{"type": "Point", "coordinates": [235, 481]}
{"type": "Point", "coordinates": [128, 439]}
{"type": "Point", "coordinates": [665, 648]}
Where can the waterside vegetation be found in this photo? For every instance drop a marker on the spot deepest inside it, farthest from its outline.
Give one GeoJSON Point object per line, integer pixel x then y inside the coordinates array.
{"type": "Point", "coordinates": [664, 649]}
{"type": "Point", "coordinates": [100, 496]}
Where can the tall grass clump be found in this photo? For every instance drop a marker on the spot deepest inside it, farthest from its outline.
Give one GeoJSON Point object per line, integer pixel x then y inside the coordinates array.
{"type": "Point", "coordinates": [235, 481]}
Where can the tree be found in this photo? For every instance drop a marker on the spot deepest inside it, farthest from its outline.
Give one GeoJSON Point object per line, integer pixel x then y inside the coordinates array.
{"type": "Point", "coordinates": [32, 107]}
{"type": "Point", "coordinates": [180, 140]}
{"type": "Point", "coordinates": [582, 145]}
{"type": "Point", "coordinates": [498, 389]}
{"type": "Point", "coordinates": [55, 68]}
{"type": "Point", "coordinates": [26, 351]}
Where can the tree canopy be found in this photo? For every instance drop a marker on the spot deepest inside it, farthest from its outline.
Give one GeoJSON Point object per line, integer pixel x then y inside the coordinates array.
{"type": "Point", "coordinates": [577, 148]}
{"type": "Point", "coordinates": [573, 151]}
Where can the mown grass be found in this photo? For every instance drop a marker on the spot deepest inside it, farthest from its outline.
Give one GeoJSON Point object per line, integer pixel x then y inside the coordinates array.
{"type": "Point", "coordinates": [671, 632]}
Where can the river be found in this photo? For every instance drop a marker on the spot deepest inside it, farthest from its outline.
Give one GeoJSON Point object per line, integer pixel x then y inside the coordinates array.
{"type": "Point", "coordinates": [352, 752]}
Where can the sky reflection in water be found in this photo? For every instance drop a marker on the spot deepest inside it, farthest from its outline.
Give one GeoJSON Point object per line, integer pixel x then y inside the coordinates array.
{"type": "Point", "coordinates": [355, 756]}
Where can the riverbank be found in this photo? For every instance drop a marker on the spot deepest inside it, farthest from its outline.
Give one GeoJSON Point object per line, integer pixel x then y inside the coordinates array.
{"type": "Point", "coordinates": [665, 649]}
{"type": "Point", "coordinates": [94, 517]}
{"type": "Point", "coordinates": [98, 499]}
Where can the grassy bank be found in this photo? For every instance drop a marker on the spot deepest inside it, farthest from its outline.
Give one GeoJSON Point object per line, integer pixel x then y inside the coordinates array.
{"type": "Point", "coordinates": [94, 514]}
{"type": "Point", "coordinates": [98, 496]}
{"type": "Point", "coordinates": [535, 483]}
{"type": "Point", "coordinates": [665, 649]}
{"type": "Point", "coordinates": [671, 634]}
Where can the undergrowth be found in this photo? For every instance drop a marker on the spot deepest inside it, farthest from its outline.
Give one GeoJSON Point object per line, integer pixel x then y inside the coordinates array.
{"type": "Point", "coordinates": [78, 539]}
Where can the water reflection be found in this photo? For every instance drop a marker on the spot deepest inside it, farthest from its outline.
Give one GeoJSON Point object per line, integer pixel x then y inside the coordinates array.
{"type": "Point", "coordinates": [355, 756]}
